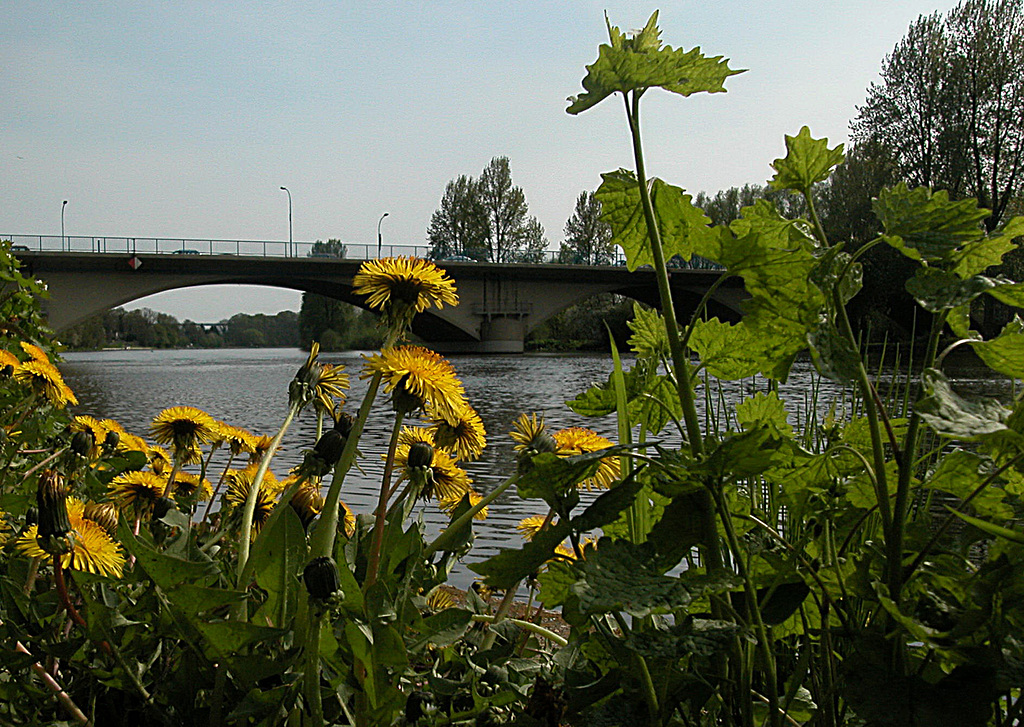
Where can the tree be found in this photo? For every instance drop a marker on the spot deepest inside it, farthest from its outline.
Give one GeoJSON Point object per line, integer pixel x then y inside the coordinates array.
{"type": "Point", "coordinates": [332, 248]}
{"type": "Point", "coordinates": [950, 107]}
{"type": "Point", "coordinates": [588, 239]}
{"type": "Point", "coordinates": [506, 210]}
{"type": "Point", "coordinates": [459, 226]}
{"type": "Point", "coordinates": [534, 244]}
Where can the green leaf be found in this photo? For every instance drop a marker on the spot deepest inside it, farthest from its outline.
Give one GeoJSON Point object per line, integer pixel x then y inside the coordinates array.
{"type": "Point", "coordinates": [551, 476]}
{"type": "Point", "coordinates": [937, 290]}
{"type": "Point", "coordinates": [951, 415]}
{"type": "Point", "coordinates": [680, 224]}
{"type": "Point", "coordinates": [833, 355]}
{"type": "Point", "coordinates": [166, 571]}
{"type": "Point", "coordinates": [442, 629]}
{"type": "Point", "coordinates": [979, 255]}
{"type": "Point", "coordinates": [729, 351]}
{"type": "Point", "coordinates": [227, 638]}
{"type": "Point", "coordinates": [1009, 292]}
{"type": "Point", "coordinates": [556, 582]}
{"type": "Point", "coordinates": [1005, 353]}
{"type": "Point", "coordinates": [928, 226]}
{"type": "Point", "coordinates": [702, 637]}
{"type": "Point", "coordinates": [807, 162]}
{"type": "Point", "coordinates": [764, 410]}
{"type": "Point", "coordinates": [679, 529]}
{"type": "Point", "coordinates": [195, 599]}
{"type": "Point", "coordinates": [997, 531]}
{"type": "Point", "coordinates": [748, 453]}
{"type": "Point", "coordinates": [960, 473]}
{"type": "Point", "coordinates": [639, 61]}
{"type": "Point", "coordinates": [508, 567]}
{"type": "Point", "coordinates": [649, 338]}
{"type": "Point", "coordinates": [280, 556]}
{"type": "Point", "coordinates": [606, 508]}
{"type": "Point", "coordinates": [620, 576]}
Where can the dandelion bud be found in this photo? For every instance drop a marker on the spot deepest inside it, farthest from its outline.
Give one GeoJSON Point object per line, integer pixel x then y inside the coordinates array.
{"type": "Point", "coordinates": [344, 423]}
{"type": "Point", "coordinates": [111, 441]}
{"type": "Point", "coordinates": [31, 516]}
{"type": "Point", "coordinates": [321, 578]}
{"type": "Point", "coordinates": [307, 503]}
{"type": "Point", "coordinates": [55, 535]}
{"type": "Point", "coordinates": [328, 448]}
{"type": "Point", "coordinates": [162, 506]}
{"type": "Point", "coordinates": [82, 443]}
{"type": "Point", "coordinates": [421, 455]}
{"type": "Point", "coordinates": [103, 514]}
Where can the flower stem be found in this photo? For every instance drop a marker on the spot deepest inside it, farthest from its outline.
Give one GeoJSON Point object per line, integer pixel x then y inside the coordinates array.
{"type": "Point", "coordinates": [245, 533]}
{"type": "Point", "coordinates": [381, 513]}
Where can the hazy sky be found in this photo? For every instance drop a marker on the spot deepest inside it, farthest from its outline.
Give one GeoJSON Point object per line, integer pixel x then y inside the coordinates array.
{"type": "Point", "coordinates": [183, 119]}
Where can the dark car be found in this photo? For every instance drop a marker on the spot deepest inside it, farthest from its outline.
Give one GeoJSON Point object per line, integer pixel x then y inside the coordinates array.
{"type": "Point", "coordinates": [19, 248]}
{"type": "Point", "coordinates": [186, 251]}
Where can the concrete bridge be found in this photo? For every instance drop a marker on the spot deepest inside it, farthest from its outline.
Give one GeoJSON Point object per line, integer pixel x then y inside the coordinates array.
{"type": "Point", "coordinates": [499, 303]}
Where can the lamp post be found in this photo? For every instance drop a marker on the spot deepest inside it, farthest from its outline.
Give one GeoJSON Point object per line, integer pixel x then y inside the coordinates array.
{"type": "Point", "coordinates": [288, 254]}
{"type": "Point", "coordinates": [63, 239]}
{"type": "Point", "coordinates": [378, 232]}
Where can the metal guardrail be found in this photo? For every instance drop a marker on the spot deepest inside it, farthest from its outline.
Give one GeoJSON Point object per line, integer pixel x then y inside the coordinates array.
{"type": "Point", "coordinates": [187, 246]}
{"type": "Point", "coordinates": [259, 248]}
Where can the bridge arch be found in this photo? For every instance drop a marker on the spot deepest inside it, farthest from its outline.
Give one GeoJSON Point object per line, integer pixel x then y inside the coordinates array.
{"type": "Point", "coordinates": [499, 304]}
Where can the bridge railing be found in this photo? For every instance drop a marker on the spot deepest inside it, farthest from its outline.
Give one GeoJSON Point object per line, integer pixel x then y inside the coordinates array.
{"type": "Point", "coordinates": [188, 246]}
{"type": "Point", "coordinates": [269, 248]}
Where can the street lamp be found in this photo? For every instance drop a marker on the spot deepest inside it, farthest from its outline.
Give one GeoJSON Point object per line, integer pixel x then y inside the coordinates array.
{"type": "Point", "coordinates": [378, 232]}
{"type": "Point", "coordinates": [63, 239]}
{"type": "Point", "coordinates": [289, 221]}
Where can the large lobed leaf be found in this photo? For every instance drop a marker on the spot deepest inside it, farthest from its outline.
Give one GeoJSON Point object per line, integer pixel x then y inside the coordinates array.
{"type": "Point", "coordinates": [807, 162]}
{"type": "Point", "coordinates": [639, 62]}
{"type": "Point", "coordinates": [680, 224]}
{"type": "Point", "coordinates": [928, 226]}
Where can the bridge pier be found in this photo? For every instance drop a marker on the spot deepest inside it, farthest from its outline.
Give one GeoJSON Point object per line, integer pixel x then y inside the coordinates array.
{"type": "Point", "coordinates": [498, 334]}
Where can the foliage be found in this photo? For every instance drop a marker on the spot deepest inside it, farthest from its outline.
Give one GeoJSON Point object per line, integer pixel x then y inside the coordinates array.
{"type": "Point", "coordinates": [587, 236]}
{"type": "Point", "coordinates": [335, 324]}
{"type": "Point", "coordinates": [459, 226]}
{"type": "Point", "coordinates": [149, 329]}
{"type": "Point", "coordinates": [486, 219]}
{"type": "Point", "coordinates": [950, 107]}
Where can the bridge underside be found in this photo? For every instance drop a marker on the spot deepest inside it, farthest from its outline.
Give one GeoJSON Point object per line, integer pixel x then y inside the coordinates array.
{"type": "Point", "coordinates": [498, 306]}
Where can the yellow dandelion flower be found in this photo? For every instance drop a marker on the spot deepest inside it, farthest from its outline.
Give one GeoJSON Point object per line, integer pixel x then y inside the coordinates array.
{"type": "Point", "coordinates": [137, 489]}
{"type": "Point", "coordinates": [465, 438]}
{"type": "Point", "coordinates": [159, 460]}
{"type": "Point", "coordinates": [528, 527]}
{"type": "Point", "coordinates": [450, 481]}
{"type": "Point", "coordinates": [402, 287]}
{"type": "Point", "coordinates": [186, 484]}
{"type": "Point", "coordinates": [440, 599]}
{"type": "Point", "coordinates": [410, 435]}
{"type": "Point", "coordinates": [238, 440]}
{"type": "Point", "coordinates": [94, 551]}
{"type": "Point", "coordinates": [530, 435]}
{"type": "Point", "coordinates": [5, 528]}
{"type": "Point", "coordinates": [9, 359]}
{"type": "Point", "coordinates": [45, 379]}
{"type": "Point", "coordinates": [578, 440]}
{"type": "Point", "coordinates": [184, 428]}
{"type": "Point", "coordinates": [348, 520]}
{"type": "Point", "coordinates": [84, 423]}
{"type": "Point", "coordinates": [448, 505]}
{"type": "Point", "coordinates": [34, 352]}
{"type": "Point", "coordinates": [260, 446]}
{"type": "Point", "coordinates": [330, 385]}
{"type": "Point", "coordinates": [419, 376]}
{"type": "Point", "coordinates": [132, 443]}
{"type": "Point", "coordinates": [240, 482]}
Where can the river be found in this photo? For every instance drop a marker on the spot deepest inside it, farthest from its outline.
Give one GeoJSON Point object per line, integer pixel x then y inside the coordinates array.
{"type": "Point", "coordinates": [248, 388]}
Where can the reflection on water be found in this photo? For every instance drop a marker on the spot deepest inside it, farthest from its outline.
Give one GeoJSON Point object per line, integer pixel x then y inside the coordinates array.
{"type": "Point", "coordinates": [248, 388]}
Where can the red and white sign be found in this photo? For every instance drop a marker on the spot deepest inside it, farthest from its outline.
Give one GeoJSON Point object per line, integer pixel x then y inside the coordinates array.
{"type": "Point", "coordinates": [134, 263]}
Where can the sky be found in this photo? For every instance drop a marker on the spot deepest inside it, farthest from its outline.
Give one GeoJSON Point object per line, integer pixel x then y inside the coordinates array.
{"type": "Point", "coordinates": [183, 119]}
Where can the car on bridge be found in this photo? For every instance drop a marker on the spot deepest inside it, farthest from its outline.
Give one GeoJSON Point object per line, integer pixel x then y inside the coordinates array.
{"type": "Point", "coordinates": [186, 251]}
